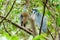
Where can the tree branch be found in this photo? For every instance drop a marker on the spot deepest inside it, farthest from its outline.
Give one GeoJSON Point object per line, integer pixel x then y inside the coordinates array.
{"type": "Point", "coordinates": [33, 26]}
{"type": "Point", "coordinates": [6, 29]}
{"type": "Point", "coordinates": [21, 27]}
{"type": "Point", "coordinates": [50, 33]}
{"type": "Point", "coordinates": [51, 10]}
{"type": "Point", "coordinates": [8, 12]}
{"type": "Point", "coordinates": [43, 16]}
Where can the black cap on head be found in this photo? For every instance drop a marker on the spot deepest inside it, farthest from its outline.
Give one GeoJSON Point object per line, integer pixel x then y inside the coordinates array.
{"type": "Point", "coordinates": [35, 10]}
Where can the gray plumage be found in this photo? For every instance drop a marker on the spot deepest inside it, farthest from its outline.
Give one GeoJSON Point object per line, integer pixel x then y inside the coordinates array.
{"type": "Point", "coordinates": [37, 17]}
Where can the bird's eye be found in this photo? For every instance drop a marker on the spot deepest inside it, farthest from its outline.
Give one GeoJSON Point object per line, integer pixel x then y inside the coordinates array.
{"type": "Point", "coordinates": [33, 11]}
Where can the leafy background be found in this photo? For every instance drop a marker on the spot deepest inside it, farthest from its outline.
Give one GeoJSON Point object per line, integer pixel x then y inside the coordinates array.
{"type": "Point", "coordinates": [53, 22]}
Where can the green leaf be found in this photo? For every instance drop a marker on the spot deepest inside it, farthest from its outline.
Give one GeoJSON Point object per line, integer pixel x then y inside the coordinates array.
{"type": "Point", "coordinates": [58, 7]}
{"type": "Point", "coordinates": [0, 0]}
{"type": "Point", "coordinates": [58, 21]}
{"type": "Point", "coordinates": [14, 38]}
{"type": "Point", "coordinates": [49, 13]}
{"type": "Point", "coordinates": [1, 6]}
{"type": "Point", "coordinates": [40, 37]}
{"type": "Point", "coordinates": [49, 23]}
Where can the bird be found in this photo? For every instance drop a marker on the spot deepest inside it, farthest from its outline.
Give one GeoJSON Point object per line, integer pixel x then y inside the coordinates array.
{"type": "Point", "coordinates": [24, 16]}
{"type": "Point", "coordinates": [37, 17]}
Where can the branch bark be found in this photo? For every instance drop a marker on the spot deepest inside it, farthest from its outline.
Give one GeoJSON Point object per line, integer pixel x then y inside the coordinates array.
{"type": "Point", "coordinates": [33, 27]}
{"type": "Point", "coordinates": [21, 27]}
{"type": "Point", "coordinates": [50, 33]}
{"type": "Point", "coordinates": [6, 29]}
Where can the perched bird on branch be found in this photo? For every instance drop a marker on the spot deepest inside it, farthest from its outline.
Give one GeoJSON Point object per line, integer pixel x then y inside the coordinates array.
{"type": "Point", "coordinates": [24, 16]}
{"type": "Point", "coordinates": [37, 17]}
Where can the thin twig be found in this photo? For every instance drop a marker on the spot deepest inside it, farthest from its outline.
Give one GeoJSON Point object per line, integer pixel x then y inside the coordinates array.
{"type": "Point", "coordinates": [51, 10]}
{"type": "Point", "coordinates": [42, 17]}
{"type": "Point", "coordinates": [17, 31]}
{"type": "Point", "coordinates": [8, 12]}
{"type": "Point", "coordinates": [50, 33]}
{"type": "Point", "coordinates": [6, 29]}
{"type": "Point", "coordinates": [21, 27]}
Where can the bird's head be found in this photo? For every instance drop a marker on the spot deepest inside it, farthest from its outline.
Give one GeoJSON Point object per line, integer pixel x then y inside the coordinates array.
{"type": "Point", "coordinates": [34, 11]}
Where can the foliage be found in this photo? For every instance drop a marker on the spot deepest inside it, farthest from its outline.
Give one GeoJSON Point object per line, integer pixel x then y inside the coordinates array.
{"type": "Point", "coordinates": [40, 37]}
{"type": "Point", "coordinates": [53, 19]}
